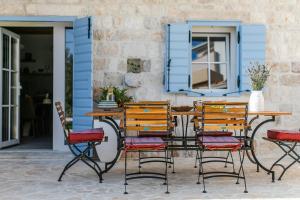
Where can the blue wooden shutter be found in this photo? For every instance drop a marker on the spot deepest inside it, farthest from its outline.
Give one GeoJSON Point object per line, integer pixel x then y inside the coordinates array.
{"type": "Point", "coordinates": [252, 49]}
{"type": "Point", "coordinates": [178, 57]}
{"type": "Point", "coordinates": [82, 73]}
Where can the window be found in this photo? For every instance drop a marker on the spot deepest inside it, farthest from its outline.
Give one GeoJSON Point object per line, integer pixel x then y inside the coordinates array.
{"type": "Point", "coordinates": [210, 58]}
{"type": "Point", "coordinates": [210, 61]}
{"type": "Point", "coordinates": [213, 66]}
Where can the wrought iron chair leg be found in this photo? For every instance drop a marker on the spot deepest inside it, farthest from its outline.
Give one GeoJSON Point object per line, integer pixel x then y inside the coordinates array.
{"type": "Point", "coordinates": [233, 167]}
{"type": "Point", "coordinates": [96, 166]}
{"type": "Point", "coordinates": [68, 165]}
{"type": "Point", "coordinates": [139, 162]}
{"type": "Point", "coordinates": [286, 168]}
{"type": "Point", "coordinates": [197, 158]}
{"type": "Point", "coordinates": [242, 157]}
{"type": "Point", "coordinates": [202, 171]}
{"type": "Point", "coordinates": [199, 170]}
{"type": "Point", "coordinates": [173, 162]}
{"type": "Point", "coordinates": [166, 171]}
{"type": "Point", "coordinates": [98, 173]}
{"type": "Point", "coordinates": [125, 184]}
{"type": "Point", "coordinates": [226, 160]}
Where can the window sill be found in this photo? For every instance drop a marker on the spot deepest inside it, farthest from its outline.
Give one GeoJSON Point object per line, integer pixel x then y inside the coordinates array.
{"type": "Point", "coordinates": [212, 94]}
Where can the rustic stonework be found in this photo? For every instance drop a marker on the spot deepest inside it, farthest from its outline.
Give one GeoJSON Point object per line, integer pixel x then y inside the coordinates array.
{"type": "Point", "coordinates": [135, 28]}
{"type": "Point", "coordinates": [296, 67]}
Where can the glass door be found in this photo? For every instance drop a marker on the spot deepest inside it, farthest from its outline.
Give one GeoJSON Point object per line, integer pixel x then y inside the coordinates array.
{"type": "Point", "coordinates": [9, 88]}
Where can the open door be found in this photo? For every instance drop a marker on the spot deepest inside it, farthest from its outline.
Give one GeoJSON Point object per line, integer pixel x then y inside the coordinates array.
{"type": "Point", "coordinates": [9, 88]}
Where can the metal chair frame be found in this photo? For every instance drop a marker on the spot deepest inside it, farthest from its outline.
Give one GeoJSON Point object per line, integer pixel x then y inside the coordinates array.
{"type": "Point", "coordinates": [241, 151]}
{"type": "Point", "coordinates": [288, 147]}
{"type": "Point", "coordinates": [142, 160]}
{"type": "Point", "coordinates": [80, 155]}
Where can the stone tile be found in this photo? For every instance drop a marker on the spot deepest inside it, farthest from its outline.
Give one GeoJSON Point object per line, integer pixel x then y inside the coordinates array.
{"type": "Point", "coordinates": [36, 178]}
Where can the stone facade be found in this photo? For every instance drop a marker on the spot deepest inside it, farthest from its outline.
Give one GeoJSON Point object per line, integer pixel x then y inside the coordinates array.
{"type": "Point", "coordinates": [134, 29]}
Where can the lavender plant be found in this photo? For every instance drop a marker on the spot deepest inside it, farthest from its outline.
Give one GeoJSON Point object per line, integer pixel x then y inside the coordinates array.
{"type": "Point", "coordinates": [258, 74]}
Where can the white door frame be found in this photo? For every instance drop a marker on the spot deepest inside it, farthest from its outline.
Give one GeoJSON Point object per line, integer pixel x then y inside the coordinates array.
{"type": "Point", "coordinates": [58, 71]}
{"type": "Point", "coordinates": [16, 87]}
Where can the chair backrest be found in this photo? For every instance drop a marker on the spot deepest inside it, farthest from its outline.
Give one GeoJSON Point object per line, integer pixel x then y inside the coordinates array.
{"type": "Point", "coordinates": [147, 116]}
{"type": "Point", "coordinates": [221, 116]}
{"type": "Point", "coordinates": [61, 115]}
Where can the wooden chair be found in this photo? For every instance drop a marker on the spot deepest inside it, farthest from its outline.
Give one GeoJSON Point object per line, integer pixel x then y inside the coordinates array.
{"type": "Point", "coordinates": [73, 139]}
{"type": "Point", "coordinates": [165, 135]}
{"type": "Point", "coordinates": [228, 159]}
{"type": "Point", "coordinates": [152, 117]}
{"type": "Point", "coordinates": [218, 120]}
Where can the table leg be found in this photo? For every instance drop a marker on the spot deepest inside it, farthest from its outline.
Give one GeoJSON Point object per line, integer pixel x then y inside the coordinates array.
{"type": "Point", "coordinates": [111, 122]}
{"type": "Point", "coordinates": [257, 162]}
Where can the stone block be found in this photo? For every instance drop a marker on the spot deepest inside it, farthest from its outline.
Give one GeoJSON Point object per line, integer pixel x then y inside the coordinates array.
{"type": "Point", "coordinates": [296, 67]}
{"type": "Point", "coordinates": [112, 79]}
{"type": "Point", "coordinates": [133, 80]}
{"type": "Point", "coordinates": [290, 80]}
{"type": "Point", "coordinates": [279, 67]}
{"type": "Point", "coordinates": [146, 65]}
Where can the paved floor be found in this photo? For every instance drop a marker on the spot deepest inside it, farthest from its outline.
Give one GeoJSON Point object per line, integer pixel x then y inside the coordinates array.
{"type": "Point", "coordinates": [35, 177]}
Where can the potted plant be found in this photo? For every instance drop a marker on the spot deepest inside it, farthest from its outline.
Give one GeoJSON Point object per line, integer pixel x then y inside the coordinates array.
{"type": "Point", "coordinates": [258, 74]}
{"type": "Point", "coordinates": [120, 95]}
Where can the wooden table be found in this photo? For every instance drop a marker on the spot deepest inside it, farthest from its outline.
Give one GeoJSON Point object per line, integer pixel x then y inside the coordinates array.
{"type": "Point", "coordinates": [109, 118]}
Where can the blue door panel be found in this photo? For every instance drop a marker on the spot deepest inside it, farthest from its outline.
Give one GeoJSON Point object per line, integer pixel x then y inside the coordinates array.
{"type": "Point", "coordinates": [82, 73]}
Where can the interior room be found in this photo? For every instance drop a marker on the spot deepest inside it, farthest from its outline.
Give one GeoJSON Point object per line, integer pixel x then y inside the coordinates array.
{"type": "Point", "coordinates": [36, 79]}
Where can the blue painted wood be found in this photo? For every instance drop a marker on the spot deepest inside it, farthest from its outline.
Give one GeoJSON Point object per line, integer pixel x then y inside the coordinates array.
{"type": "Point", "coordinates": [82, 73]}
{"type": "Point", "coordinates": [178, 50]}
{"type": "Point", "coordinates": [221, 23]}
{"type": "Point", "coordinates": [252, 49]}
{"type": "Point", "coordinates": [38, 18]}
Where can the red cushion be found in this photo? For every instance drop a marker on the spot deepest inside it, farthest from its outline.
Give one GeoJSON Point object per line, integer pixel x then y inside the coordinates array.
{"type": "Point", "coordinates": [216, 133]}
{"type": "Point", "coordinates": [220, 142]}
{"type": "Point", "coordinates": [154, 133]}
{"type": "Point", "coordinates": [90, 135]}
{"type": "Point", "coordinates": [144, 143]}
{"type": "Point", "coordinates": [284, 135]}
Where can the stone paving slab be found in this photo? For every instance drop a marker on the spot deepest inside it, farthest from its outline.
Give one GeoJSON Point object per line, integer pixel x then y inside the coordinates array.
{"type": "Point", "coordinates": [36, 179]}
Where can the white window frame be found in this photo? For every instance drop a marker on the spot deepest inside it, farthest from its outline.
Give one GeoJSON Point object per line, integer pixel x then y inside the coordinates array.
{"type": "Point", "coordinates": [231, 54]}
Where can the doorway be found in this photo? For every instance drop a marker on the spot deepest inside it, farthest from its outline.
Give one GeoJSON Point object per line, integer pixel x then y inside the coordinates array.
{"type": "Point", "coordinates": [36, 80]}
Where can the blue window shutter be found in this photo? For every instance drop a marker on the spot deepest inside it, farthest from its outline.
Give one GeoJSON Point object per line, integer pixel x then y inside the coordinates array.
{"type": "Point", "coordinates": [82, 73]}
{"type": "Point", "coordinates": [252, 49]}
{"type": "Point", "coordinates": [178, 57]}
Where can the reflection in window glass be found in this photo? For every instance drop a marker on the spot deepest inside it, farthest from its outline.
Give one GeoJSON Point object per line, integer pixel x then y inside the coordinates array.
{"type": "Point", "coordinates": [200, 76]}
{"type": "Point", "coordinates": [199, 49]}
{"type": "Point", "coordinates": [210, 61]}
{"type": "Point", "coordinates": [69, 52]}
{"type": "Point", "coordinates": [217, 49]}
{"type": "Point", "coordinates": [218, 76]}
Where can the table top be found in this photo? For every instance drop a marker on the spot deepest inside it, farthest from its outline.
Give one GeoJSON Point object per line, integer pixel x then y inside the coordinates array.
{"type": "Point", "coordinates": [118, 113]}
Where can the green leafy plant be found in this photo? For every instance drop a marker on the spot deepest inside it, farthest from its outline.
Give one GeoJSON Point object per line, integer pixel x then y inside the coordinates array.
{"type": "Point", "coordinates": [259, 74]}
{"type": "Point", "coordinates": [121, 96]}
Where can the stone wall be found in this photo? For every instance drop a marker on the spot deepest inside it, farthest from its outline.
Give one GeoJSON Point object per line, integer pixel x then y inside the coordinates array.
{"type": "Point", "coordinates": [134, 29]}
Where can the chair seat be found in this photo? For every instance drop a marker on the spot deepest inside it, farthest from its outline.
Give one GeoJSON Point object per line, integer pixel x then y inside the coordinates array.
{"type": "Point", "coordinates": [136, 143]}
{"type": "Point", "coordinates": [216, 133]}
{"type": "Point", "coordinates": [90, 135]}
{"type": "Point", "coordinates": [220, 142]}
{"type": "Point", "coordinates": [154, 133]}
{"type": "Point", "coordinates": [284, 135]}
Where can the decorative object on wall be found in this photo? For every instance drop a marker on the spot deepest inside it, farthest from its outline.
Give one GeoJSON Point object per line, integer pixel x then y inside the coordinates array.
{"type": "Point", "coordinates": [258, 74]}
{"type": "Point", "coordinates": [134, 65]}
{"type": "Point", "coordinates": [133, 80]}
{"type": "Point", "coordinates": [120, 95]}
